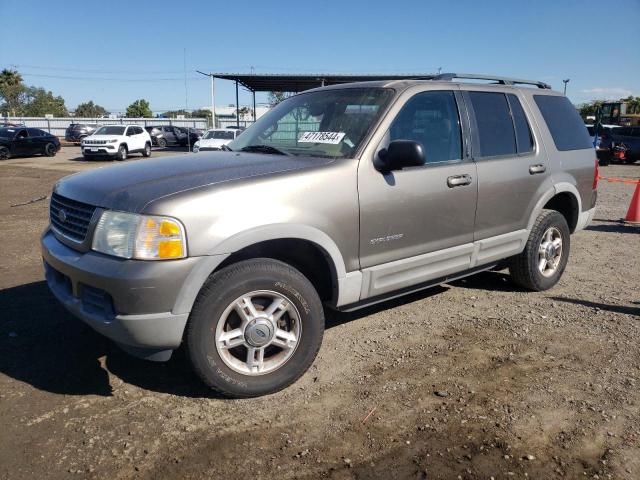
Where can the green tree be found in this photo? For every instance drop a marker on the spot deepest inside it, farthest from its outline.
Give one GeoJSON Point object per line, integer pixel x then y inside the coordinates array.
{"type": "Point", "coordinates": [175, 113]}
{"type": "Point", "coordinates": [12, 91]}
{"type": "Point", "coordinates": [139, 109]}
{"type": "Point", "coordinates": [40, 102]}
{"type": "Point", "coordinates": [201, 113]}
{"type": "Point", "coordinates": [633, 104]}
{"type": "Point", "coordinates": [589, 108]}
{"type": "Point", "coordinates": [277, 97]}
{"type": "Point", "coordinates": [90, 110]}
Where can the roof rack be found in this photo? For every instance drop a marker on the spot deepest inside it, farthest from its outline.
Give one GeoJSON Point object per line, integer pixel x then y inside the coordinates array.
{"type": "Point", "coordinates": [501, 80]}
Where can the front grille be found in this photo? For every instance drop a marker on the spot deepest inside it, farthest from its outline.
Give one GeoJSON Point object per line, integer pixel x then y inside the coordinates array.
{"type": "Point", "coordinates": [95, 142]}
{"type": "Point", "coordinates": [70, 217]}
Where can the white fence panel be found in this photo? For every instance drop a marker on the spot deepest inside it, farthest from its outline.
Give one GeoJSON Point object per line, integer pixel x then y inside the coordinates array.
{"type": "Point", "coordinates": [58, 125]}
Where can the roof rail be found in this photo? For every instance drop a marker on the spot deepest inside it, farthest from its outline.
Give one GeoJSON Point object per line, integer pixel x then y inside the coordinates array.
{"type": "Point", "coordinates": [501, 80]}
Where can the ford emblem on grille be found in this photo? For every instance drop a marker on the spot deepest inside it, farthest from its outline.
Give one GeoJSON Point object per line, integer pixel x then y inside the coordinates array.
{"type": "Point", "coordinates": [62, 215]}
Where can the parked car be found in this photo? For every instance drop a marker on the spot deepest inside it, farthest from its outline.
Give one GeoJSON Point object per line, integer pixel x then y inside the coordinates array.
{"type": "Point", "coordinates": [164, 135]}
{"type": "Point", "coordinates": [194, 134]}
{"type": "Point", "coordinates": [339, 197]}
{"type": "Point", "coordinates": [116, 142]}
{"type": "Point", "coordinates": [20, 141]}
{"type": "Point", "coordinates": [215, 138]}
{"type": "Point", "coordinates": [76, 132]}
{"type": "Point", "coordinates": [629, 137]}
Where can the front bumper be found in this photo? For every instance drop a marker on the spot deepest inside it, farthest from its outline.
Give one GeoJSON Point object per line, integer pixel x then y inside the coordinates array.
{"type": "Point", "coordinates": [128, 301]}
{"type": "Point", "coordinates": [99, 150]}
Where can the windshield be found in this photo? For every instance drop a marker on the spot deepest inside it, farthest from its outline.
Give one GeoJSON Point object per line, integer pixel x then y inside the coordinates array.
{"type": "Point", "coordinates": [325, 123]}
{"type": "Point", "coordinates": [7, 132]}
{"type": "Point", "coordinates": [110, 131]}
{"type": "Point", "coordinates": [219, 135]}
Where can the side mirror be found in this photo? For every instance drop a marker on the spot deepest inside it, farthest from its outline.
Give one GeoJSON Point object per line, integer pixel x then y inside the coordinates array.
{"type": "Point", "coordinates": [398, 155]}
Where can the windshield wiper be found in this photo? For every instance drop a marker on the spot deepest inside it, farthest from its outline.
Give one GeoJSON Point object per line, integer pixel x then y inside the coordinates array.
{"type": "Point", "coordinates": [263, 149]}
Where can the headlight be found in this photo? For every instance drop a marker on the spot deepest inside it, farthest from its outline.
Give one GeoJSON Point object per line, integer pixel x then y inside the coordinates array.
{"type": "Point", "coordinates": [142, 237]}
{"type": "Point", "coordinates": [112, 141]}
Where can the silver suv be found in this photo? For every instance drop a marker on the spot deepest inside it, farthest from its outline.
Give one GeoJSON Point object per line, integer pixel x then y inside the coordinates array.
{"type": "Point", "coordinates": [339, 197]}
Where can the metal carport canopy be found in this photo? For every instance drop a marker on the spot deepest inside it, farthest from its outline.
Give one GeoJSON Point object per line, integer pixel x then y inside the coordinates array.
{"type": "Point", "coordinates": [300, 82]}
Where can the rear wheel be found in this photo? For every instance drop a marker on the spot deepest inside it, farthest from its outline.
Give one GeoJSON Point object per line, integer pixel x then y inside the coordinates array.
{"type": "Point", "coordinates": [50, 149]}
{"type": "Point", "coordinates": [541, 264]}
{"type": "Point", "coordinates": [255, 328]}
{"type": "Point", "coordinates": [122, 153]}
{"type": "Point", "coordinates": [162, 142]}
{"type": "Point", "coordinates": [147, 150]}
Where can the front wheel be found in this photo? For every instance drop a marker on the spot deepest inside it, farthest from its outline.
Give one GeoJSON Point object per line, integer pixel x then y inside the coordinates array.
{"type": "Point", "coordinates": [5, 154]}
{"type": "Point", "coordinates": [541, 264]}
{"type": "Point", "coordinates": [122, 153]}
{"type": "Point", "coordinates": [255, 328]}
{"type": "Point", "coordinates": [162, 143]}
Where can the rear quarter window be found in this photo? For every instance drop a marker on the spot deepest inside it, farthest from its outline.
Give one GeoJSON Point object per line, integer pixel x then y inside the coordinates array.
{"type": "Point", "coordinates": [564, 123]}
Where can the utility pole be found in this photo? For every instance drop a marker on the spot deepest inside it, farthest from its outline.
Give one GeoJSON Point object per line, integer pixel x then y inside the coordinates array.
{"type": "Point", "coordinates": [213, 97]}
{"type": "Point", "coordinates": [565, 81]}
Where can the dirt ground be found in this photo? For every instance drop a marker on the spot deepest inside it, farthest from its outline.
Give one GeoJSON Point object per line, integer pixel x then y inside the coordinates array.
{"type": "Point", "coordinates": [476, 379]}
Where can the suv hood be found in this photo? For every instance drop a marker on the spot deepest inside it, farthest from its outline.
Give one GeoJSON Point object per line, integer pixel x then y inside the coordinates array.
{"type": "Point", "coordinates": [131, 186]}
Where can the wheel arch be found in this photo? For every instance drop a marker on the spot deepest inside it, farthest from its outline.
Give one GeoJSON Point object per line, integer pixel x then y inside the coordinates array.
{"type": "Point", "coordinates": [565, 199]}
{"type": "Point", "coordinates": [306, 248]}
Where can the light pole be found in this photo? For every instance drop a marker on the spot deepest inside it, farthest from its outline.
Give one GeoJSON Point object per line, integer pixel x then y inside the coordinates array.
{"type": "Point", "coordinates": [213, 98]}
{"type": "Point", "coordinates": [565, 81]}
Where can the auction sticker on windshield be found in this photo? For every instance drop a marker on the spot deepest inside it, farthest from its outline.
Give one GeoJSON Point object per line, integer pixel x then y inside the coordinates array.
{"type": "Point", "coordinates": [321, 137]}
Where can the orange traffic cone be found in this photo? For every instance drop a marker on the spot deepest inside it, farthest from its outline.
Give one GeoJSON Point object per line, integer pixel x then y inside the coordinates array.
{"type": "Point", "coordinates": [633, 214]}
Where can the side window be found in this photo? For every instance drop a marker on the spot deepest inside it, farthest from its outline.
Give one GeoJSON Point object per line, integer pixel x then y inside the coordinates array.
{"type": "Point", "coordinates": [431, 118]}
{"type": "Point", "coordinates": [138, 130]}
{"type": "Point", "coordinates": [130, 131]}
{"type": "Point", "coordinates": [564, 122]}
{"type": "Point", "coordinates": [34, 132]}
{"type": "Point", "coordinates": [524, 139]}
{"type": "Point", "coordinates": [494, 124]}
{"type": "Point", "coordinates": [22, 134]}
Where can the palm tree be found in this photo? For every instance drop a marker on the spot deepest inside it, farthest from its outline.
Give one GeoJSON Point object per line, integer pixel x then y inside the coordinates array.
{"type": "Point", "coordinates": [11, 89]}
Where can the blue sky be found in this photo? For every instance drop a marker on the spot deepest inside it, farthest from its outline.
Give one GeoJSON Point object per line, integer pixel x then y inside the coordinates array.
{"type": "Point", "coordinates": [114, 52]}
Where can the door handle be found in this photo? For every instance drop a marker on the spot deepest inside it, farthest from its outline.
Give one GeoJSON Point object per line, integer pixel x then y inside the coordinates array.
{"type": "Point", "coordinates": [459, 180]}
{"type": "Point", "coordinates": [534, 169]}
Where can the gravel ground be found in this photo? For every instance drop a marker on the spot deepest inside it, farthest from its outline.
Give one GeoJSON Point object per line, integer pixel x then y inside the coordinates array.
{"type": "Point", "coordinates": [474, 379]}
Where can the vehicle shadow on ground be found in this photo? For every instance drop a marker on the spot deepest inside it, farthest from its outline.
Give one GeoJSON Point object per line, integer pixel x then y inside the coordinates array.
{"type": "Point", "coordinates": [618, 227]}
{"type": "Point", "coordinates": [602, 306]}
{"type": "Point", "coordinates": [497, 281]}
{"type": "Point", "coordinates": [45, 346]}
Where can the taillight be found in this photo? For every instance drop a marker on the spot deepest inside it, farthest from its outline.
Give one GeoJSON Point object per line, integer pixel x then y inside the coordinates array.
{"type": "Point", "coordinates": [596, 174]}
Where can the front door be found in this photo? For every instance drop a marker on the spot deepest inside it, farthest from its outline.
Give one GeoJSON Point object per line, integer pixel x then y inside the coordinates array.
{"type": "Point", "coordinates": [22, 144]}
{"type": "Point", "coordinates": [416, 224]}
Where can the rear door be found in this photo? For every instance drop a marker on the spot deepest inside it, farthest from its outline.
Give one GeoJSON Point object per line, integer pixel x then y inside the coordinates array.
{"type": "Point", "coordinates": [512, 164]}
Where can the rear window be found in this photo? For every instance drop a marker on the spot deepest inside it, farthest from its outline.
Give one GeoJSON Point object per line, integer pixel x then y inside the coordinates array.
{"type": "Point", "coordinates": [495, 127]}
{"type": "Point", "coordinates": [564, 122]}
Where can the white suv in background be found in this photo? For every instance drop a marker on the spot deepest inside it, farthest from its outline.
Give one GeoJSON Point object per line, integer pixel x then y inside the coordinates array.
{"type": "Point", "coordinates": [116, 141]}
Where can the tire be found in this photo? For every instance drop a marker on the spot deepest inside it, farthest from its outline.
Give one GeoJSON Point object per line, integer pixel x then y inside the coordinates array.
{"type": "Point", "coordinates": [49, 150]}
{"type": "Point", "coordinates": [162, 142]}
{"type": "Point", "coordinates": [147, 150]}
{"type": "Point", "coordinates": [525, 268]}
{"type": "Point", "coordinates": [227, 369]}
{"type": "Point", "coordinates": [5, 154]}
{"type": "Point", "coordinates": [122, 153]}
